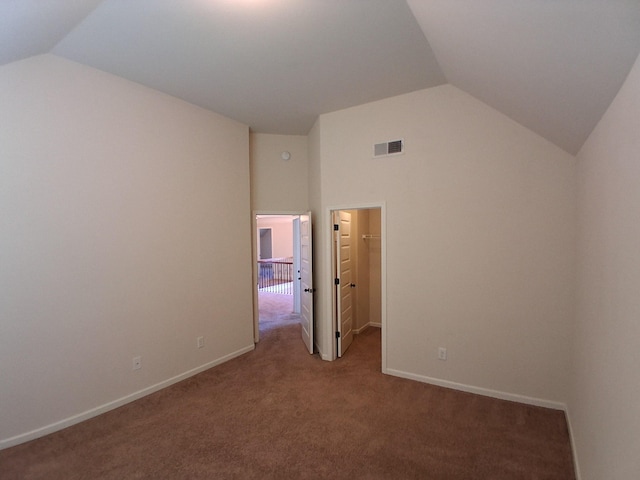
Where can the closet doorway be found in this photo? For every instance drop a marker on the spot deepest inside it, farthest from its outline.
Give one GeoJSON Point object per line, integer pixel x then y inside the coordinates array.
{"type": "Point", "coordinates": [357, 271]}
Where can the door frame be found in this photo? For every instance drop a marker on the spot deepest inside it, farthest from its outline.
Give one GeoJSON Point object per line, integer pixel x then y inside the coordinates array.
{"type": "Point", "coordinates": [254, 258]}
{"type": "Point", "coordinates": [328, 281]}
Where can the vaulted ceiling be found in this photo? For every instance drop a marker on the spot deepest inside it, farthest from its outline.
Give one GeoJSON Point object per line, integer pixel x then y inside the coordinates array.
{"type": "Point", "coordinates": [552, 65]}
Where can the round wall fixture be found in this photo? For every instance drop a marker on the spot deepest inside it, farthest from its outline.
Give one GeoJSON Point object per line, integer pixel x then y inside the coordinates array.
{"type": "Point", "coordinates": [285, 156]}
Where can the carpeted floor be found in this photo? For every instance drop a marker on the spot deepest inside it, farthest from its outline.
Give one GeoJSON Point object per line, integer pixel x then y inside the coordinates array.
{"type": "Point", "coordinates": [275, 310]}
{"type": "Point", "coordinates": [278, 412]}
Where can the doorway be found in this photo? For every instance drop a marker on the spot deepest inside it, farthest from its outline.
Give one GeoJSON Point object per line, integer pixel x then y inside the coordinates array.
{"type": "Point", "coordinates": [357, 272]}
{"type": "Point", "coordinates": [277, 268]}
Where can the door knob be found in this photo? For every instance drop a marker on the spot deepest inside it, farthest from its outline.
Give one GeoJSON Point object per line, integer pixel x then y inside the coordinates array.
{"type": "Point", "coordinates": [353, 285]}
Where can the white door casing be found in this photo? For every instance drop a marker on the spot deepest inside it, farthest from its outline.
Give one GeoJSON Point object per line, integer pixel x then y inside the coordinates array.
{"type": "Point", "coordinates": [306, 281]}
{"type": "Point", "coordinates": [344, 281]}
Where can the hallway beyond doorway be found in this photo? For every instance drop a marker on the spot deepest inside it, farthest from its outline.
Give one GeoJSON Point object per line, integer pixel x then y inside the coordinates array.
{"type": "Point", "coordinates": [275, 310]}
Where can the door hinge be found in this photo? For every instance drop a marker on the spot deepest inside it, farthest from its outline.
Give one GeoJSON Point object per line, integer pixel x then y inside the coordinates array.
{"type": "Point", "coordinates": [337, 334]}
{"type": "Point", "coordinates": [336, 227]}
{"type": "Point", "coordinates": [336, 281]}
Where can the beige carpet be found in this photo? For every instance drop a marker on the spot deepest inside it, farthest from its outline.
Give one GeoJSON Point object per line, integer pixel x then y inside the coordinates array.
{"type": "Point", "coordinates": [275, 309]}
{"type": "Point", "coordinates": [281, 413]}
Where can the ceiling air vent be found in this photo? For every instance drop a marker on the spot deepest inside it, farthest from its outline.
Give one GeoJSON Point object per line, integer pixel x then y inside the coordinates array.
{"type": "Point", "coordinates": [394, 147]}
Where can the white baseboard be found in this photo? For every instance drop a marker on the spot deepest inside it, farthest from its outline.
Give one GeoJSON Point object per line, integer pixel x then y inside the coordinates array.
{"type": "Point", "coordinates": [576, 465]}
{"type": "Point", "coordinates": [356, 331]}
{"type": "Point", "coordinates": [539, 402]}
{"type": "Point", "coordinates": [323, 356]}
{"type": "Point", "coordinates": [94, 412]}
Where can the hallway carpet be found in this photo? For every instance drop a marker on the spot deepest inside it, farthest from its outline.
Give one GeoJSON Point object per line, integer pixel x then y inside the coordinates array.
{"type": "Point", "coordinates": [275, 310]}
{"type": "Point", "coordinates": [280, 413]}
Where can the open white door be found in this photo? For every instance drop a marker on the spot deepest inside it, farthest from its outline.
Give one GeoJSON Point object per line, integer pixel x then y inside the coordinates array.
{"type": "Point", "coordinates": [306, 281]}
{"type": "Point", "coordinates": [296, 265]}
{"type": "Point", "coordinates": [344, 285]}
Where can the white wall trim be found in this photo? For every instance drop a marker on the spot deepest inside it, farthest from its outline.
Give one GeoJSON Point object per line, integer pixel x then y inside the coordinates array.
{"type": "Point", "coordinates": [324, 356]}
{"type": "Point", "coordinates": [357, 331]}
{"type": "Point", "coordinates": [94, 412]}
{"type": "Point", "coordinates": [574, 451]}
{"type": "Point", "coordinates": [513, 397]}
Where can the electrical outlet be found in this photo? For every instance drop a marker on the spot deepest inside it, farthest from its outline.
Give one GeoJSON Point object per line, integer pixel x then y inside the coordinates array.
{"type": "Point", "coordinates": [442, 353]}
{"type": "Point", "coordinates": [200, 342]}
{"type": "Point", "coordinates": [137, 363]}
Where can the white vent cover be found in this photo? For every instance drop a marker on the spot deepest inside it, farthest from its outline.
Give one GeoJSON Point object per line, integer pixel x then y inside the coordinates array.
{"type": "Point", "coordinates": [393, 147]}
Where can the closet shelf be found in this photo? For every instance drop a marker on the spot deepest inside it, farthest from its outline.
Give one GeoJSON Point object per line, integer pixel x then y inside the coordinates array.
{"type": "Point", "coordinates": [367, 236]}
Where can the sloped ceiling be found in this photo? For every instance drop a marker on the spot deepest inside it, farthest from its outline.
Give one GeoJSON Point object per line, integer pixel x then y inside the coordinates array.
{"type": "Point", "coordinates": [275, 65]}
{"type": "Point", "coordinates": [552, 65]}
{"type": "Point", "coordinates": [32, 27]}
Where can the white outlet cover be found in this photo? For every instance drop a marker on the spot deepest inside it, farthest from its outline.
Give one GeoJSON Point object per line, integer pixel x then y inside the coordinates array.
{"type": "Point", "coordinates": [137, 363]}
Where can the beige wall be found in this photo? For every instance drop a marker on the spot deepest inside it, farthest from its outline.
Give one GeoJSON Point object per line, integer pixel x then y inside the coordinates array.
{"type": "Point", "coordinates": [604, 405]}
{"type": "Point", "coordinates": [367, 293]}
{"type": "Point", "coordinates": [111, 197]}
{"type": "Point", "coordinates": [278, 185]}
{"type": "Point", "coordinates": [360, 302]}
{"type": "Point", "coordinates": [480, 239]}
{"type": "Point", "coordinates": [281, 234]}
{"type": "Point", "coordinates": [373, 248]}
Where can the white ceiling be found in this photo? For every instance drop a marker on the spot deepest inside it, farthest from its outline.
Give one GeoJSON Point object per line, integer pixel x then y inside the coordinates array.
{"type": "Point", "coordinates": [551, 65]}
{"type": "Point", "coordinates": [32, 27]}
{"type": "Point", "coordinates": [275, 65]}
